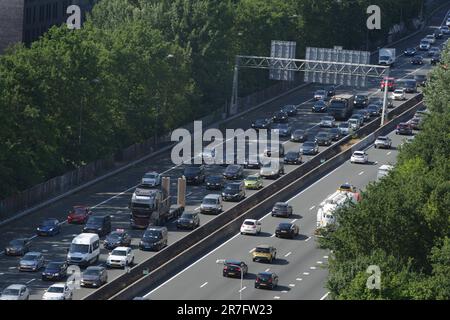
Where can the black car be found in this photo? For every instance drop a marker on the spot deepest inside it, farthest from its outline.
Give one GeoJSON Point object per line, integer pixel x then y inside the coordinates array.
{"type": "Point", "coordinates": [293, 157]}
{"type": "Point", "coordinates": [94, 276]}
{"type": "Point", "coordinates": [404, 129]}
{"type": "Point", "coordinates": [310, 148]}
{"type": "Point", "coordinates": [281, 209]}
{"type": "Point", "coordinates": [361, 101]}
{"type": "Point", "coordinates": [194, 174]}
{"type": "Point", "coordinates": [233, 172]}
{"type": "Point", "coordinates": [319, 106]}
{"type": "Point", "coordinates": [299, 135]}
{"type": "Point", "coordinates": [234, 191]}
{"type": "Point", "coordinates": [438, 33]}
{"type": "Point", "coordinates": [286, 230]}
{"type": "Point", "coordinates": [324, 139]}
{"type": "Point", "coordinates": [118, 238]}
{"type": "Point", "coordinates": [435, 59]}
{"type": "Point", "coordinates": [409, 52]}
{"type": "Point", "coordinates": [364, 113]}
{"type": "Point", "coordinates": [261, 124]}
{"type": "Point", "coordinates": [417, 60]}
{"type": "Point", "coordinates": [154, 238]}
{"type": "Point", "coordinates": [234, 268]}
{"type": "Point", "coordinates": [17, 247]}
{"type": "Point", "coordinates": [290, 109]}
{"type": "Point", "coordinates": [100, 224]}
{"type": "Point", "coordinates": [335, 134]}
{"type": "Point", "coordinates": [214, 182]}
{"type": "Point", "coordinates": [421, 79]}
{"type": "Point", "coordinates": [188, 220]}
{"type": "Point", "coordinates": [266, 280]}
{"type": "Point", "coordinates": [374, 110]}
{"type": "Point", "coordinates": [331, 91]}
{"type": "Point", "coordinates": [252, 162]}
{"type": "Point", "coordinates": [280, 117]}
{"type": "Point", "coordinates": [55, 271]}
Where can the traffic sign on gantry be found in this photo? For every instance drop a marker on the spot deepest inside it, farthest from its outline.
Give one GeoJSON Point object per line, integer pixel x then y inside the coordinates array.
{"type": "Point", "coordinates": [282, 49]}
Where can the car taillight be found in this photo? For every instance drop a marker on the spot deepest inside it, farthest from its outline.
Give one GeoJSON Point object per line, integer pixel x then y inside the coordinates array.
{"type": "Point", "coordinates": [254, 227]}
{"type": "Point", "coordinates": [270, 280]}
{"type": "Point", "coordinates": [225, 268]}
{"type": "Point", "coordinates": [257, 279]}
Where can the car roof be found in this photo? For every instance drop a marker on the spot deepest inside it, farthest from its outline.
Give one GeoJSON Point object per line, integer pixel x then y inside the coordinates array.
{"type": "Point", "coordinates": [58, 285]}
{"type": "Point", "coordinates": [16, 286]}
{"type": "Point", "coordinates": [95, 268]}
{"type": "Point", "coordinates": [266, 273]}
{"type": "Point", "coordinates": [359, 152]}
{"type": "Point", "coordinates": [212, 196]}
{"type": "Point", "coordinates": [251, 220]}
{"type": "Point", "coordinates": [263, 246]}
{"type": "Point", "coordinates": [233, 262]}
{"type": "Point", "coordinates": [34, 253]}
{"type": "Point", "coordinates": [122, 248]}
{"type": "Point", "coordinates": [281, 204]}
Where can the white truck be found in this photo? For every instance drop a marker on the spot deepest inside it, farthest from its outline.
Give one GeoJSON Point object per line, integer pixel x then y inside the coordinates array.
{"type": "Point", "coordinates": [387, 57]}
{"type": "Point", "coordinates": [325, 213]}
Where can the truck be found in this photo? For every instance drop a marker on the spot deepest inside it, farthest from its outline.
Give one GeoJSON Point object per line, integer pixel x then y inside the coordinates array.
{"type": "Point", "coordinates": [341, 106]}
{"type": "Point", "coordinates": [152, 207]}
{"type": "Point", "coordinates": [325, 212]}
{"type": "Point", "coordinates": [386, 57]}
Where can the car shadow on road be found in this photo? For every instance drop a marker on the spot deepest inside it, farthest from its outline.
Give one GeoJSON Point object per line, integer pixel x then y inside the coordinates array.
{"type": "Point", "coordinates": [281, 288]}
{"type": "Point", "coordinates": [280, 262]}
{"type": "Point", "coordinates": [263, 234]}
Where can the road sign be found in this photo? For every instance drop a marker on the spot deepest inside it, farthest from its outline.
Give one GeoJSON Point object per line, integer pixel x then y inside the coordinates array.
{"type": "Point", "coordinates": [282, 49]}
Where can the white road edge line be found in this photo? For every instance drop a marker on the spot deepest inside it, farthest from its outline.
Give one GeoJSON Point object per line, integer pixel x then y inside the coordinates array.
{"type": "Point", "coordinates": [325, 296]}
{"type": "Point", "coordinates": [204, 284]}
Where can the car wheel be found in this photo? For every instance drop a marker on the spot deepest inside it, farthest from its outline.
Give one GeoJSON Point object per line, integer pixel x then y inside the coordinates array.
{"type": "Point", "coordinates": [242, 233]}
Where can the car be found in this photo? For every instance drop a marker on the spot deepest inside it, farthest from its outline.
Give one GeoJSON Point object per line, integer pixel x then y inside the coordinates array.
{"type": "Point", "coordinates": [290, 109]}
{"type": "Point", "coordinates": [319, 106]}
{"type": "Point", "coordinates": [253, 181]}
{"type": "Point", "coordinates": [331, 91]}
{"type": "Point", "coordinates": [399, 94]}
{"type": "Point", "coordinates": [409, 52]}
{"type": "Point", "coordinates": [234, 268]}
{"type": "Point", "coordinates": [78, 214]}
{"type": "Point", "coordinates": [347, 187]}
{"type": "Point", "coordinates": [233, 172]}
{"type": "Point", "coordinates": [360, 101]}
{"type": "Point", "coordinates": [252, 162]}
{"type": "Point", "coordinates": [374, 110]}
{"type": "Point", "coordinates": [410, 85]}
{"type": "Point", "coordinates": [421, 79]}
{"type": "Point", "coordinates": [447, 23]}
{"type": "Point", "coordinates": [58, 291]}
{"type": "Point", "coordinates": [345, 128]}
{"type": "Point", "coordinates": [445, 30]}
{"type": "Point", "coordinates": [209, 156]}
{"type": "Point", "coordinates": [212, 203]}
{"type": "Point", "coordinates": [15, 292]}
{"type": "Point", "coordinates": [118, 238]}
{"type": "Point", "coordinates": [94, 276]}
{"type": "Point", "coordinates": [309, 148]}
{"type": "Point", "coordinates": [214, 182]}
{"type": "Point", "coordinates": [286, 230]}
{"type": "Point", "coordinates": [390, 83]}
{"type": "Point", "coordinates": [194, 174]}
{"type": "Point", "coordinates": [431, 38]}
{"type": "Point", "coordinates": [48, 227]}
{"type": "Point", "coordinates": [273, 150]}
{"type": "Point", "coordinates": [280, 117]}
{"type": "Point", "coordinates": [327, 122]}
{"type": "Point", "coordinates": [120, 257]}
{"type": "Point", "coordinates": [433, 51]}
{"type": "Point", "coordinates": [320, 95]}
{"type": "Point", "coordinates": [272, 169]}
{"type": "Point", "coordinates": [293, 157]}
{"type": "Point", "coordinates": [31, 261]}
{"type": "Point", "coordinates": [417, 60]}
{"type": "Point", "coordinates": [425, 45]}
{"type": "Point", "coordinates": [358, 117]}
{"type": "Point", "coordinates": [188, 220]}
{"type": "Point", "coordinates": [262, 123]}
{"type": "Point", "coordinates": [154, 238]}
{"type": "Point", "coordinates": [283, 129]}
{"type": "Point", "coordinates": [383, 142]}
{"type": "Point", "coordinates": [323, 138]}
{"type": "Point", "coordinates": [299, 135]}
{"type": "Point", "coordinates": [354, 123]}
{"type": "Point", "coordinates": [359, 157]}
{"type": "Point", "coordinates": [251, 226]}
{"type": "Point", "coordinates": [151, 179]}
{"type": "Point", "coordinates": [364, 113]}
{"type": "Point", "coordinates": [55, 271]}
{"type": "Point", "coordinates": [281, 209]}
{"type": "Point", "coordinates": [438, 34]}
{"type": "Point", "coordinates": [234, 191]}
{"type": "Point", "coordinates": [18, 247]}
{"type": "Point", "coordinates": [264, 252]}
{"type": "Point", "coordinates": [266, 280]}
{"type": "Point", "coordinates": [335, 134]}
{"type": "Point", "coordinates": [416, 123]}
{"type": "Point", "coordinates": [99, 224]}
{"type": "Point", "coordinates": [404, 128]}
{"type": "Point", "coordinates": [435, 59]}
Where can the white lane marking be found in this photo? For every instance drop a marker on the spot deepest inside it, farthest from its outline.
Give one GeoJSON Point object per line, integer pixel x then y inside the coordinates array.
{"type": "Point", "coordinates": [12, 268]}
{"type": "Point", "coordinates": [276, 297]}
{"type": "Point", "coordinates": [361, 173]}
{"type": "Point", "coordinates": [196, 209]}
{"type": "Point", "coordinates": [267, 270]}
{"type": "Point", "coordinates": [251, 250]}
{"type": "Point", "coordinates": [293, 220]}
{"type": "Point", "coordinates": [288, 254]}
{"type": "Point", "coordinates": [188, 194]}
{"type": "Point", "coordinates": [306, 273]}
{"type": "Point", "coordinates": [272, 235]}
{"type": "Point", "coordinates": [389, 153]}
{"type": "Point", "coordinates": [284, 291]}
{"type": "Point", "coordinates": [291, 285]}
{"type": "Point", "coordinates": [325, 257]}
{"type": "Point", "coordinates": [204, 284]}
{"type": "Point", "coordinates": [44, 250]}
{"type": "Point", "coordinates": [2, 273]}
{"type": "Point", "coordinates": [319, 262]}
{"type": "Point", "coordinates": [242, 289]}
{"type": "Point", "coordinates": [28, 282]}
{"type": "Point", "coordinates": [325, 296]}
{"type": "Point", "coordinates": [312, 208]}
{"type": "Point", "coordinates": [313, 268]}
{"type": "Point", "coordinates": [308, 239]}
{"type": "Point", "coordinates": [55, 245]}
{"type": "Point", "coordinates": [299, 279]}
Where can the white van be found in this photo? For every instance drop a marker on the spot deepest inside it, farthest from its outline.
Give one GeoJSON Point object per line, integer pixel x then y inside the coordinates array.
{"type": "Point", "coordinates": [384, 171]}
{"type": "Point", "coordinates": [84, 249]}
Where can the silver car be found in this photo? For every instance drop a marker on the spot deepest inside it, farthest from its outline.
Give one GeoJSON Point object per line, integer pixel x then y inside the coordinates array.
{"type": "Point", "coordinates": [15, 292]}
{"type": "Point", "coordinates": [383, 142]}
{"type": "Point", "coordinates": [328, 122]}
{"type": "Point", "coordinates": [212, 203]}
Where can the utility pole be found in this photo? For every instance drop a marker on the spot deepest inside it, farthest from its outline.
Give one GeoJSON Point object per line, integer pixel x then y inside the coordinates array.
{"type": "Point", "coordinates": [383, 113]}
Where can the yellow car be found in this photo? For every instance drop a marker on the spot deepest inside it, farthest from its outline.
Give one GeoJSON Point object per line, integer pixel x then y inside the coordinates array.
{"type": "Point", "coordinates": [347, 187]}
{"type": "Point", "coordinates": [264, 252]}
{"type": "Point", "coordinates": [253, 182]}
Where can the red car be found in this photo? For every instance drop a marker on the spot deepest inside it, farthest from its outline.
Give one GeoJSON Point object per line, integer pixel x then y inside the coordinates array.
{"type": "Point", "coordinates": [390, 83]}
{"type": "Point", "coordinates": [79, 214]}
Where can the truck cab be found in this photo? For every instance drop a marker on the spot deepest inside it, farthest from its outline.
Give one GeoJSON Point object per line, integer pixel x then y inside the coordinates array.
{"type": "Point", "coordinates": [386, 57]}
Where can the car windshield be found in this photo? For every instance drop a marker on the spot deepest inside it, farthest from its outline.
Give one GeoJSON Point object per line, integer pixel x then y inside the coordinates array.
{"type": "Point", "coordinates": [95, 220]}
{"type": "Point", "coordinates": [150, 176]}
{"type": "Point", "coordinates": [79, 248]}
{"type": "Point", "coordinates": [328, 118]}
{"type": "Point", "coordinates": [263, 250]}
{"type": "Point", "coordinates": [56, 289]}
{"type": "Point", "coordinates": [360, 97]}
{"type": "Point", "coordinates": [10, 292]}
{"type": "Point", "coordinates": [48, 223]}
{"type": "Point", "coordinates": [320, 103]}
{"type": "Point", "coordinates": [309, 144]}
{"type": "Point", "coordinates": [16, 243]}
{"type": "Point", "coordinates": [334, 130]}
{"type": "Point", "coordinates": [372, 107]}
{"type": "Point", "coordinates": [268, 164]}
{"type": "Point", "coordinates": [292, 154]}
{"type": "Point", "coordinates": [209, 201]}
{"type": "Point", "coordinates": [152, 234]}
{"type": "Point", "coordinates": [288, 108]}
{"type": "Point", "coordinates": [231, 188]}
{"type": "Point", "coordinates": [299, 132]}
{"type": "Point", "coordinates": [252, 178]}
{"type": "Point", "coordinates": [280, 206]}
{"type": "Point", "coordinates": [120, 253]}
{"type": "Point", "coordinates": [260, 121]}
{"type": "Point", "coordinates": [191, 170]}
{"type": "Point", "coordinates": [54, 265]}
{"type": "Point", "coordinates": [232, 168]}
{"type": "Point", "coordinates": [187, 216]}
{"type": "Point", "coordinates": [320, 92]}
{"type": "Point", "coordinates": [114, 236]}
{"type": "Point", "coordinates": [79, 210]}
{"type": "Point", "coordinates": [398, 91]}
{"type": "Point", "coordinates": [280, 126]}
{"type": "Point", "coordinates": [249, 223]}
{"type": "Point", "coordinates": [30, 257]}
{"type": "Point", "coordinates": [285, 226]}
{"type": "Point", "coordinates": [213, 178]}
{"type": "Point", "coordinates": [264, 276]}
{"type": "Point", "coordinates": [382, 138]}
{"type": "Point", "coordinates": [91, 272]}
{"type": "Point", "coordinates": [322, 135]}
{"type": "Point", "coordinates": [358, 153]}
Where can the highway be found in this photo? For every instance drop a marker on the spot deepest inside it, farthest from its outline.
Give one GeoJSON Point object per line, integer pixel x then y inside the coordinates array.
{"type": "Point", "coordinates": [300, 265]}
{"type": "Point", "coordinates": [112, 195]}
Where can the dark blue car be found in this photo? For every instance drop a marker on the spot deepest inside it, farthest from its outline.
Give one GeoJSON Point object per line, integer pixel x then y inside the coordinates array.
{"type": "Point", "coordinates": [49, 227]}
{"type": "Point", "coordinates": [55, 271]}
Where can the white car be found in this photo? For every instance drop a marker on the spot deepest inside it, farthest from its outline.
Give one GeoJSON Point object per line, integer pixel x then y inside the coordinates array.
{"type": "Point", "coordinates": [359, 157]}
{"type": "Point", "coordinates": [383, 142]}
{"type": "Point", "coordinates": [15, 292]}
{"type": "Point", "coordinates": [251, 226]}
{"type": "Point", "coordinates": [425, 44]}
{"type": "Point", "coordinates": [152, 179]}
{"type": "Point", "coordinates": [431, 38]}
{"type": "Point", "coordinates": [328, 122]}
{"type": "Point", "coordinates": [399, 94]}
{"type": "Point", "coordinates": [120, 257]}
{"type": "Point", "coordinates": [354, 124]}
{"type": "Point", "coordinates": [58, 291]}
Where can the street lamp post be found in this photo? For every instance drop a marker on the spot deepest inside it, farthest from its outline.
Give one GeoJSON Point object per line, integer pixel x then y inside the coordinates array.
{"type": "Point", "coordinates": [222, 261]}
